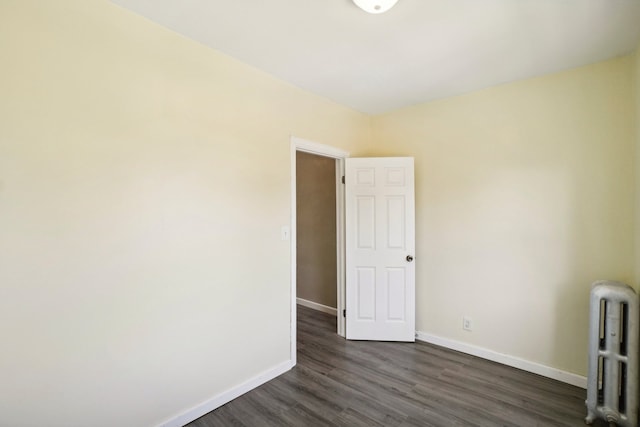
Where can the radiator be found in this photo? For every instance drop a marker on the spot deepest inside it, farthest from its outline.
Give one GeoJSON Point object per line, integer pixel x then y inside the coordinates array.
{"type": "Point", "coordinates": [612, 382]}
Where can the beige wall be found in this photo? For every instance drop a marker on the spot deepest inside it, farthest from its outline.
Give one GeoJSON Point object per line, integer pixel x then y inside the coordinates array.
{"type": "Point", "coordinates": [144, 179]}
{"type": "Point", "coordinates": [524, 197]}
{"type": "Point", "coordinates": [316, 229]}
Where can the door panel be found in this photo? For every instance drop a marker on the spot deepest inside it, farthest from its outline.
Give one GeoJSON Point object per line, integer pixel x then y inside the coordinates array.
{"type": "Point", "coordinates": [396, 222]}
{"type": "Point", "coordinates": [366, 293]}
{"type": "Point", "coordinates": [380, 223]}
{"type": "Point", "coordinates": [396, 294]}
{"type": "Point", "coordinates": [366, 222]}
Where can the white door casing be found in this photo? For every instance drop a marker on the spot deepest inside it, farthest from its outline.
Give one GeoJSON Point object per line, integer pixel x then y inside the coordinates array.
{"type": "Point", "coordinates": [380, 246]}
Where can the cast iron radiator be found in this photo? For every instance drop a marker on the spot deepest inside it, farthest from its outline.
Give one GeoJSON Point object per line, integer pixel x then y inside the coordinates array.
{"type": "Point", "coordinates": [612, 380]}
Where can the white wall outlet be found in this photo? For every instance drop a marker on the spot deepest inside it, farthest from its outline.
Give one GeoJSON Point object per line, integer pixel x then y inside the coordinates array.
{"type": "Point", "coordinates": [467, 324]}
{"type": "Point", "coordinates": [284, 232]}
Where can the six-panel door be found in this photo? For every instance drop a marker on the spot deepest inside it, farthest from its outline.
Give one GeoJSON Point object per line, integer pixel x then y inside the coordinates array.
{"type": "Point", "coordinates": [380, 246]}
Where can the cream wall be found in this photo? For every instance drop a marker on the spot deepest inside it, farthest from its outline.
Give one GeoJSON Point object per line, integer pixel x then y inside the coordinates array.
{"type": "Point", "coordinates": [132, 165]}
{"type": "Point", "coordinates": [144, 179]}
{"type": "Point", "coordinates": [524, 197]}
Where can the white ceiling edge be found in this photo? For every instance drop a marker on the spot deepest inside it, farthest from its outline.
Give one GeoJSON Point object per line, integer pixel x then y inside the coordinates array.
{"type": "Point", "coordinates": [419, 51]}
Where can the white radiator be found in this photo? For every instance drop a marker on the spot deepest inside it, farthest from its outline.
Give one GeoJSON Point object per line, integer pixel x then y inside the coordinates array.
{"type": "Point", "coordinates": [612, 383]}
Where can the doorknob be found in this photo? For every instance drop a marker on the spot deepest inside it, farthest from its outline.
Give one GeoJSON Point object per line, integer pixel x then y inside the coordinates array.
{"type": "Point", "coordinates": [409, 258]}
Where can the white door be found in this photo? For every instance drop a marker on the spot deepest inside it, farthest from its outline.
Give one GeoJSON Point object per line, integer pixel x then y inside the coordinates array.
{"type": "Point", "coordinates": [380, 246]}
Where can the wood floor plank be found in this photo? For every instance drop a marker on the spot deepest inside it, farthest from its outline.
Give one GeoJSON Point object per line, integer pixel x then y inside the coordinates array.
{"type": "Point", "coordinates": [359, 383]}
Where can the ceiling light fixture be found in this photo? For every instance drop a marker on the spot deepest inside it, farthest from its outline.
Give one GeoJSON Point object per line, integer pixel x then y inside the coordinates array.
{"type": "Point", "coordinates": [375, 6]}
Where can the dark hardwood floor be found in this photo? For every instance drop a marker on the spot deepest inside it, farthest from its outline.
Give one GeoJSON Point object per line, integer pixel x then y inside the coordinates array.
{"type": "Point", "coordinates": [355, 383]}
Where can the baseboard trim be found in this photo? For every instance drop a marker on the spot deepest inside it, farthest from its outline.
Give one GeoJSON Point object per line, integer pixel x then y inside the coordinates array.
{"type": "Point", "coordinates": [227, 396]}
{"type": "Point", "coordinates": [505, 359]}
{"type": "Point", "coordinates": [316, 306]}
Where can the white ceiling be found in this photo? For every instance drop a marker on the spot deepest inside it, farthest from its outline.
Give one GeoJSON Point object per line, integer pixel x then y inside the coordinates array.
{"type": "Point", "coordinates": [418, 51]}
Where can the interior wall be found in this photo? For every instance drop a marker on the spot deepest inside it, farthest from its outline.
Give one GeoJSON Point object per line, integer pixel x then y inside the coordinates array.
{"type": "Point", "coordinates": [524, 197]}
{"type": "Point", "coordinates": [144, 179]}
{"type": "Point", "coordinates": [316, 229]}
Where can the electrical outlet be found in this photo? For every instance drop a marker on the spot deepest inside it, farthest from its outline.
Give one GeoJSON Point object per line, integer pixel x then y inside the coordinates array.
{"type": "Point", "coordinates": [467, 324]}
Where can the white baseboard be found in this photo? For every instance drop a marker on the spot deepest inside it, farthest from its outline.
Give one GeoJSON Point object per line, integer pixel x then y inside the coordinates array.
{"type": "Point", "coordinates": [227, 396]}
{"type": "Point", "coordinates": [505, 359]}
{"type": "Point", "coordinates": [316, 306]}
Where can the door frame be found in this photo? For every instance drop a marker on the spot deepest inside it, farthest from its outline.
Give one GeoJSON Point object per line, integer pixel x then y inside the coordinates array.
{"type": "Point", "coordinates": [303, 145]}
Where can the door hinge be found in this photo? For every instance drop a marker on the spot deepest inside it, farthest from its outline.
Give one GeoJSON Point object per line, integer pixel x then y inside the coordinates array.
{"type": "Point", "coordinates": [344, 313]}
{"type": "Point", "coordinates": [343, 179]}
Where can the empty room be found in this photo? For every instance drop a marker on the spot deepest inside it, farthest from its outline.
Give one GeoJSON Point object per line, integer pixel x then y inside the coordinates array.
{"type": "Point", "coordinates": [332, 212]}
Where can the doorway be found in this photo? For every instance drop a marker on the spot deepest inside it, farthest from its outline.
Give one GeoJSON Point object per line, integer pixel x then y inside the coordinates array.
{"type": "Point", "coordinates": [329, 155]}
{"type": "Point", "coordinates": [316, 276]}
